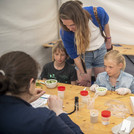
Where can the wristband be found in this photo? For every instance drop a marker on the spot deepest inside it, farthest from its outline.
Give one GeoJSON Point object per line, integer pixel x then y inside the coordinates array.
{"type": "Point", "coordinates": [108, 37]}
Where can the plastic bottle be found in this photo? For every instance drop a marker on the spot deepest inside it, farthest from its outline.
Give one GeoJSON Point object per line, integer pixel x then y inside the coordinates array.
{"type": "Point", "coordinates": [84, 96]}
{"type": "Point", "coordinates": [105, 117]}
{"type": "Point", "coordinates": [61, 90]}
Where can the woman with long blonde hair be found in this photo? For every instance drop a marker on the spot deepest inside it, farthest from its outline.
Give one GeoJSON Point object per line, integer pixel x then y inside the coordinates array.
{"type": "Point", "coordinates": [82, 37]}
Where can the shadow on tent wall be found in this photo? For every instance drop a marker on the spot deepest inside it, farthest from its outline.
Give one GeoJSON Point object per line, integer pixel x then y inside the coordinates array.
{"type": "Point", "coordinates": [129, 64]}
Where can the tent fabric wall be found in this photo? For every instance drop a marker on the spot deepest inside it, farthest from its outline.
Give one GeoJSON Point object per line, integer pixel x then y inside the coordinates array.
{"type": "Point", "coordinates": [25, 25]}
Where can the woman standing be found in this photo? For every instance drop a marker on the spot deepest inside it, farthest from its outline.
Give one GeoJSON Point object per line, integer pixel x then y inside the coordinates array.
{"type": "Point", "coordinates": [81, 36]}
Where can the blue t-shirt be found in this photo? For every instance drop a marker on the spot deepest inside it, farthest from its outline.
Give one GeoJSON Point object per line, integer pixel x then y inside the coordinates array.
{"type": "Point", "coordinates": [68, 36]}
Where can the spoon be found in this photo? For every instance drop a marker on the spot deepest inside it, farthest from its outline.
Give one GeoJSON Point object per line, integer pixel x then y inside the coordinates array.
{"type": "Point", "coordinates": [84, 89]}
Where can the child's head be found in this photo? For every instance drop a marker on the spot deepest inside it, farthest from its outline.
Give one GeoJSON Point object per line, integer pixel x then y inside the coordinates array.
{"type": "Point", "coordinates": [113, 60]}
{"type": "Point", "coordinates": [59, 51]}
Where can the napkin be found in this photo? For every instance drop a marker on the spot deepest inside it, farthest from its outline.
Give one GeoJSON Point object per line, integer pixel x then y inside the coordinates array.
{"type": "Point", "coordinates": [40, 102]}
{"type": "Point", "coordinates": [117, 129]}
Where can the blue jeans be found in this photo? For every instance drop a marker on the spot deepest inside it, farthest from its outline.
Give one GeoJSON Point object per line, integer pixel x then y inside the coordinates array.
{"type": "Point", "coordinates": [95, 58]}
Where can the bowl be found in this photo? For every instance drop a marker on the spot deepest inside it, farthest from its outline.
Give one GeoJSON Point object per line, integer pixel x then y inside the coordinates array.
{"type": "Point", "coordinates": [101, 91]}
{"type": "Point", "coordinates": [51, 83]}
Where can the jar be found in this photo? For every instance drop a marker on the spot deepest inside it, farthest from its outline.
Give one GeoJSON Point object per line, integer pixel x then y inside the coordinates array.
{"type": "Point", "coordinates": [61, 90]}
{"type": "Point", "coordinates": [105, 117]}
{"type": "Point", "coordinates": [94, 115]}
{"type": "Point", "coordinates": [84, 96]}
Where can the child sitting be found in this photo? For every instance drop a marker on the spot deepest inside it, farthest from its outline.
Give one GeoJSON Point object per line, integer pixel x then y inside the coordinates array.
{"type": "Point", "coordinates": [59, 69]}
{"type": "Point", "coordinates": [114, 78]}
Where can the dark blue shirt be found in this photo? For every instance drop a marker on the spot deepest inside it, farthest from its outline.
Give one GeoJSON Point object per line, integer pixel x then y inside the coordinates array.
{"type": "Point", "coordinates": [19, 117]}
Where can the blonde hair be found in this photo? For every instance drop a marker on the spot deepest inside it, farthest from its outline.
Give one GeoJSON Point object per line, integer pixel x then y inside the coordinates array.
{"type": "Point", "coordinates": [58, 46]}
{"type": "Point", "coordinates": [117, 56]}
{"type": "Point", "coordinates": [72, 10]}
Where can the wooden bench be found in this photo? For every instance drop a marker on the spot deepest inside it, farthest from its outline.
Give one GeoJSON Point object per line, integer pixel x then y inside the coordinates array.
{"type": "Point", "coordinates": [50, 44]}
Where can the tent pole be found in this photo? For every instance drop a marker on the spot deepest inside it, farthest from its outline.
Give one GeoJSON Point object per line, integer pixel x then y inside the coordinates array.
{"type": "Point", "coordinates": [58, 6]}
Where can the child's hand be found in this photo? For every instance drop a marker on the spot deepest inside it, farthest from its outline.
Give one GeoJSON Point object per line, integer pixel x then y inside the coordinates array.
{"type": "Point", "coordinates": [123, 91]}
{"type": "Point", "coordinates": [93, 87]}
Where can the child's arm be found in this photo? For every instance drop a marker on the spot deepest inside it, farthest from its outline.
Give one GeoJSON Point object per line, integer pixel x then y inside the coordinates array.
{"type": "Point", "coordinates": [98, 82]}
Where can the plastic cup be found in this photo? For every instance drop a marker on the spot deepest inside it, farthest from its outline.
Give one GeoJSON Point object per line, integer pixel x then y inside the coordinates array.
{"type": "Point", "coordinates": [84, 96]}
{"type": "Point", "coordinates": [61, 90]}
{"type": "Point", "coordinates": [94, 115]}
{"type": "Point", "coordinates": [90, 104]}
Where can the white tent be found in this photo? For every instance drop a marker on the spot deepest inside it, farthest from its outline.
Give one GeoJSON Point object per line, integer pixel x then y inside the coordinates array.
{"type": "Point", "coordinates": [26, 25]}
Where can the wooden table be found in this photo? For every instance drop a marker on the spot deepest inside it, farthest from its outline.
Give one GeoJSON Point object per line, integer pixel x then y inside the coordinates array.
{"type": "Point", "coordinates": [82, 117]}
{"type": "Point", "coordinates": [50, 44]}
{"type": "Point", "coordinates": [124, 49]}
